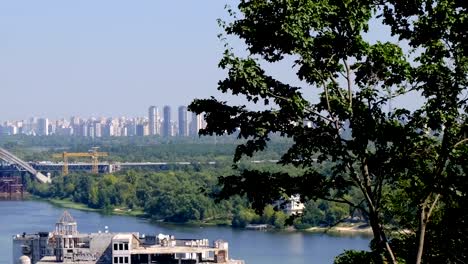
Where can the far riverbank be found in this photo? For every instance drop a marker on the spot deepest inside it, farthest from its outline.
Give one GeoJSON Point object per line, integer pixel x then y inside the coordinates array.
{"type": "Point", "coordinates": [346, 229]}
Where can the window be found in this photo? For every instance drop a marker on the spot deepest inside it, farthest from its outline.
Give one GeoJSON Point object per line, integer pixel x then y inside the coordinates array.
{"type": "Point", "coordinates": [126, 260]}
{"type": "Point", "coordinates": [120, 246]}
{"type": "Point", "coordinates": [126, 246]}
{"type": "Point", "coordinates": [116, 259]}
{"type": "Point", "coordinates": [121, 259]}
{"type": "Point", "coordinates": [115, 246]}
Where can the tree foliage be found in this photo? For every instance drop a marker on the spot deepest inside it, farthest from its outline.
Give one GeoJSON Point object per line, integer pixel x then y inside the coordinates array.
{"type": "Point", "coordinates": [347, 124]}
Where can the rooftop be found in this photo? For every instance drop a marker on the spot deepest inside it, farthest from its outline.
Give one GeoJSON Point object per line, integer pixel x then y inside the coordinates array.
{"type": "Point", "coordinates": [66, 218]}
{"type": "Point", "coordinates": [123, 236]}
{"type": "Point", "coordinates": [173, 250]}
{"type": "Point", "coordinates": [51, 259]}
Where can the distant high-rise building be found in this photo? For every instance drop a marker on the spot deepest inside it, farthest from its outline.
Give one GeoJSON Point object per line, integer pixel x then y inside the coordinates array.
{"type": "Point", "coordinates": [74, 120]}
{"type": "Point", "coordinates": [123, 131]}
{"type": "Point", "coordinates": [43, 127]}
{"type": "Point", "coordinates": [196, 124]}
{"type": "Point", "coordinates": [97, 129]}
{"type": "Point", "coordinates": [153, 120]}
{"type": "Point", "coordinates": [91, 132]}
{"type": "Point", "coordinates": [173, 129]}
{"type": "Point", "coordinates": [51, 129]}
{"type": "Point", "coordinates": [141, 130]}
{"type": "Point", "coordinates": [183, 122]}
{"type": "Point", "coordinates": [84, 130]}
{"type": "Point", "coordinates": [108, 130]}
{"type": "Point", "coordinates": [131, 128]}
{"type": "Point", "coordinates": [166, 128]}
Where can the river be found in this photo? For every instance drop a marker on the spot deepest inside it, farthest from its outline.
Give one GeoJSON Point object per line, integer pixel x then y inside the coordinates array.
{"type": "Point", "coordinates": [255, 247]}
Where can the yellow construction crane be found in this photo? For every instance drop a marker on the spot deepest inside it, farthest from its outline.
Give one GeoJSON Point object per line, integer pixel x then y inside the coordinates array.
{"type": "Point", "coordinates": [93, 153]}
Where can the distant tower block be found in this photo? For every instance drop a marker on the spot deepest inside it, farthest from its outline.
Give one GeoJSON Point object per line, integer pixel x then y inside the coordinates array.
{"type": "Point", "coordinates": [183, 121]}
{"type": "Point", "coordinates": [66, 225]}
{"type": "Point", "coordinates": [166, 131]}
{"type": "Point", "coordinates": [153, 120]}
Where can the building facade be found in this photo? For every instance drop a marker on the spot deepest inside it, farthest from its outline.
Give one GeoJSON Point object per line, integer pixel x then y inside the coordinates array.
{"type": "Point", "coordinates": [43, 127]}
{"type": "Point", "coordinates": [153, 121]}
{"type": "Point", "coordinates": [183, 121]}
{"type": "Point", "coordinates": [196, 124]}
{"type": "Point", "coordinates": [166, 128]}
{"type": "Point", "coordinates": [66, 245]}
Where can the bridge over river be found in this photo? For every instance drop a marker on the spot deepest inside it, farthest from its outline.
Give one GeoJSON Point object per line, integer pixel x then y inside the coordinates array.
{"type": "Point", "coordinates": [41, 168]}
{"type": "Point", "coordinates": [22, 165]}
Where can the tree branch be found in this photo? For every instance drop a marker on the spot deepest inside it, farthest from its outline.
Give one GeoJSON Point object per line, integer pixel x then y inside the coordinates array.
{"type": "Point", "coordinates": [348, 80]}
{"type": "Point", "coordinates": [460, 142]}
{"type": "Point", "coordinates": [433, 205]}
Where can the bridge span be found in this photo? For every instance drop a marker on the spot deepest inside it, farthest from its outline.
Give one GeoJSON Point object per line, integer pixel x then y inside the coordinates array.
{"type": "Point", "coordinates": [38, 168]}
{"type": "Point", "coordinates": [12, 159]}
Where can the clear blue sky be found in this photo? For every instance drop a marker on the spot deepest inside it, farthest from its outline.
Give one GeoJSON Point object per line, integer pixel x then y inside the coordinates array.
{"type": "Point", "coordinates": [106, 57]}
{"type": "Point", "coordinates": [109, 57]}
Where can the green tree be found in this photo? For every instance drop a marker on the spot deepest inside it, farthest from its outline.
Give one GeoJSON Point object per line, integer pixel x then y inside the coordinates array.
{"type": "Point", "coordinates": [268, 215]}
{"type": "Point", "coordinates": [312, 215]}
{"type": "Point", "coordinates": [347, 125]}
{"type": "Point", "coordinates": [436, 159]}
{"type": "Point", "coordinates": [93, 197]}
{"type": "Point", "coordinates": [279, 219]}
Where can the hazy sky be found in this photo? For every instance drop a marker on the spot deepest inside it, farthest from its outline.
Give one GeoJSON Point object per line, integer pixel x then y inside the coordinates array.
{"type": "Point", "coordinates": [108, 57]}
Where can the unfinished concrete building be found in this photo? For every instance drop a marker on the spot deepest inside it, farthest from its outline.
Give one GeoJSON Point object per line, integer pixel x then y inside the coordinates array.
{"type": "Point", "coordinates": [66, 245]}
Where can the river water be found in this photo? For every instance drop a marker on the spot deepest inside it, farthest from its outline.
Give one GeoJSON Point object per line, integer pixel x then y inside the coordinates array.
{"type": "Point", "coordinates": [255, 247]}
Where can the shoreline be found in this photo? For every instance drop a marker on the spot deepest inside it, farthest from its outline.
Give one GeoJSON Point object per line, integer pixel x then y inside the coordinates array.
{"type": "Point", "coordinates": [348, 230]}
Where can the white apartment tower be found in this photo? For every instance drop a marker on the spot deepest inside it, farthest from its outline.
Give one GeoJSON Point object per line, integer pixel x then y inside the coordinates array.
{"type": "Point", "coordinates": [196, 124]}
{"type": "Point", "coordinates": [43, 127]}
{"type": "Point", "coordinates": [153, 121]}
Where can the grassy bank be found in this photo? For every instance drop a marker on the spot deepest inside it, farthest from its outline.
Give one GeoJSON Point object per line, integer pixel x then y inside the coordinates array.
{"type": "Point", "coordinates": [66, 203]}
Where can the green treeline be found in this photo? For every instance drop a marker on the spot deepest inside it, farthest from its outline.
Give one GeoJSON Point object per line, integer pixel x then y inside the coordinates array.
{"type": "Point", "coordinates": [137, 149]}
{"type": "Point", "coordinates": [181, 196]}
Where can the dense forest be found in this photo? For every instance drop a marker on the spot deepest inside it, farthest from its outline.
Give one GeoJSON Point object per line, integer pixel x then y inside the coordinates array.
{"type": "Point", "coordinates": [181, 196]}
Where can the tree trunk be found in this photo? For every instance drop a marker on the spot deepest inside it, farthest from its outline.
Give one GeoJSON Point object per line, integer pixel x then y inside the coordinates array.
{"type": "Point", "coordinates": [381, 239]}
{"type": "Point", "coordinates": [421, 234]}
{"type": "Point", "coordinates": [379, 234]}
{"type": "Point", "coordinates": [425, 214]}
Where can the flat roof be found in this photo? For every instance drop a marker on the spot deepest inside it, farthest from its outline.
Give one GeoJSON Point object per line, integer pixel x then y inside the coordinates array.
{"type": "Point", "coordinates": [172, 250]}
{"type": "Point", "coordinates": [51, 259]}
{"type": "Point", "coordinates": [123, 236]}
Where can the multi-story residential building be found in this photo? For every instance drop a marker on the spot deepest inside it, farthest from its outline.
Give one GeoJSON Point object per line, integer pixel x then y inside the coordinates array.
{"type": "Point", "coordinates": [154, 121]}
{"type": "Point", "coordinates": [196, 124]}
{"type": "Point", "coordinates": [166, 128]}
{"type": "Point", "coordinates": [183, 121]}
{"type": "Point", "coordinates": [43, 127]}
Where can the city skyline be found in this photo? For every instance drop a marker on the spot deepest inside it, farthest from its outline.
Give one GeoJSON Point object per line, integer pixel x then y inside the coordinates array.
{"type": "Point", "coordinates": [142, 112]}
{"type": "Point", "coordinates": [151, 124]}
{"type": "Point", "coordinates": [108, 57]}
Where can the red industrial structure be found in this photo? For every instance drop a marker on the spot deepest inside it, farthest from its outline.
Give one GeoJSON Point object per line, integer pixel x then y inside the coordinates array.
{"type": "Point", "coordinates": [11, 188]}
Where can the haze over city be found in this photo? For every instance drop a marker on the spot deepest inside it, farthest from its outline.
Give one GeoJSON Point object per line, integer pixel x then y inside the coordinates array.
{"type": "Point", "coordinates": [106, 58]}
{"type": "Point", "coordinates": [113, 58]}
